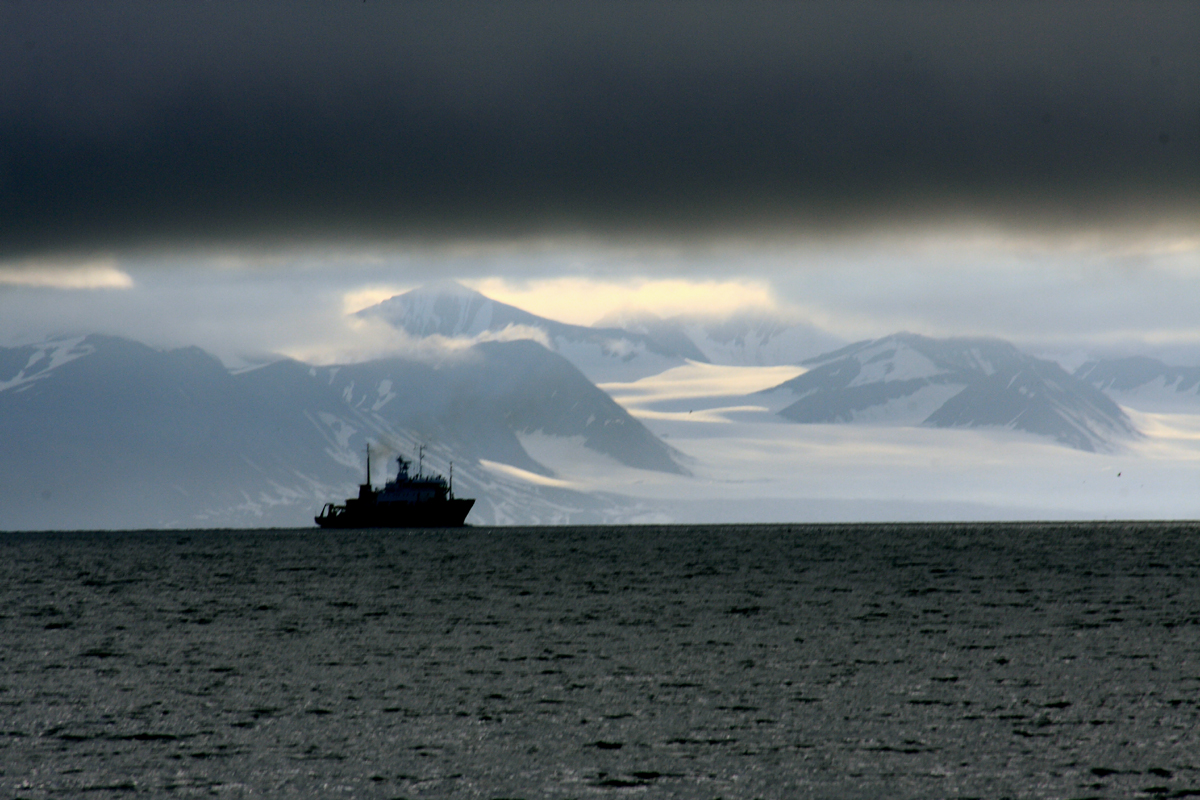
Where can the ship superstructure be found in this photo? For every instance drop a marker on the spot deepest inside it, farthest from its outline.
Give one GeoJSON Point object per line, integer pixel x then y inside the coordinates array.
{"type": "Point", "coordinates": [407, 501]}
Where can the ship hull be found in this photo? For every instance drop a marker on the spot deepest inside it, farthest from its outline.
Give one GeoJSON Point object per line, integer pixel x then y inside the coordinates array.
{"type": "Point", "coordinates": [442, 514]}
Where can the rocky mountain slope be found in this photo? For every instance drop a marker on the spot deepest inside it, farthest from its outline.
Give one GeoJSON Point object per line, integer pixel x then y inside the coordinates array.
{"type": "Point", "coordinates": [106, 432]}
{"type": "Point", "coordinates": [906, 379]}
{"type": "Point", "coordinates": [1143, 383]}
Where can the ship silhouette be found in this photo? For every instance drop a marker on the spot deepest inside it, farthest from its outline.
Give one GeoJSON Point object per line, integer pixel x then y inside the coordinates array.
{"type": "Point", "coordinates": [408, 501]}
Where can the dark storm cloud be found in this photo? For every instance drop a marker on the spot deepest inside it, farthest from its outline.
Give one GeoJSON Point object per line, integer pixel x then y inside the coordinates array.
{"type": "Point", "coordinates": [178, 124]}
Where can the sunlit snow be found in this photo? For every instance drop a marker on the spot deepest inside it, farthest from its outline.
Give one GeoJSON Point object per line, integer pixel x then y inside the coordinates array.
{"type": "Point", "coordinates": [694, 381]}
{"type": "Point", "coordinates": [511, 472]}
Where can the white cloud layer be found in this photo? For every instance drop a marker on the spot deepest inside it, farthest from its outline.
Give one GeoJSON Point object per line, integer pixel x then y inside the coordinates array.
{"type": "Point", "coordinates": [1064, 298]}
{"type": "Point", "coordinates": [585, 300]}
{"type": "Point", "coordinates": [94, 274]}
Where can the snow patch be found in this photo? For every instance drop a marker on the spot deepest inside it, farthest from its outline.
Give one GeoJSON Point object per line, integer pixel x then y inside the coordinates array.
{"type": "Point", "coordinates": [904, 364]}
{"type": "Point", "coordinates": [58, 352]}
{"type": "Point", "coordinates": [386, 395]}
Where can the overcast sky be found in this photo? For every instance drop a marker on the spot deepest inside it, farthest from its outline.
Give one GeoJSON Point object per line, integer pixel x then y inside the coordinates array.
{"type": "Point", "coordinates": [216, 173]}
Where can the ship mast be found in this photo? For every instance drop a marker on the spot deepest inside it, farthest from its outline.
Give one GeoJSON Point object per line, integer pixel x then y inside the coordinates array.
{"type": "Point", "coordinates": [368, 463]}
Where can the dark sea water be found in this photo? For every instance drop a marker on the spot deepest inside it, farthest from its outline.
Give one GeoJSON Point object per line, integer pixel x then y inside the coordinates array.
{"type": "Point", "coordinates": [920, 661]}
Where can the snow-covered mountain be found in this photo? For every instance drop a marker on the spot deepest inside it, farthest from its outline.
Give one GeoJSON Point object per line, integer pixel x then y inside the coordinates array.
{"type": "Point", "coordinates": [745, 340]}
{"type": "Point", "coordinates": [106, 432]}
{"type": "Point", "coordinates": [907, 379]}
{"type": "Point", "coordinates": [621, 347]}
{"type": "Point", "coordinates": [1144, 383]}
{"type": "Point", "coordinates": [603, 354]}
{"type": "Point", "coordinates": [480, 400]}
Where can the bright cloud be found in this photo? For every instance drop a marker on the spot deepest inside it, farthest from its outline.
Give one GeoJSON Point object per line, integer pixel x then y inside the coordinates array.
{"type": "Point", "coordinates": [356, 300]}
{"type": "Point", "coordinates": [583, 301]}
{"type": "Point", "coordinates": [97, 274]}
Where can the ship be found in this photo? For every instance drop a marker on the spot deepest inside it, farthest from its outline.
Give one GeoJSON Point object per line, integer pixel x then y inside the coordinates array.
{"type": "Point", "coordinates": [408, 501]}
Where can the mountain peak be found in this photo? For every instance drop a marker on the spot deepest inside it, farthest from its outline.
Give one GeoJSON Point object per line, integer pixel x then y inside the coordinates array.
{"type": "Point", "coordinates": [447, 287]}
{"type": "Point", "coordinates": [449, 309]}
{"type": "Point", "coordinates": [446, 308]}
{"type": "Point", "coordinates": [909, 379]}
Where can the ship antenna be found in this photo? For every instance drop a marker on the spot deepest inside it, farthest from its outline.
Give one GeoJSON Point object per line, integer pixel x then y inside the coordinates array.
{"type": "Point", "coordinates": [421, 461]}
{"type": "Point", "coordinates": [451, 480]}
{"type": "Point", "coordinates": [368, 463]}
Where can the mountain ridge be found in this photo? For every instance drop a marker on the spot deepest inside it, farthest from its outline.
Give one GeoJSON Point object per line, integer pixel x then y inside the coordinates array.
{"type": "Point", "coordinates": [451, 310]}
{"type": "Point", "coordinates": [955, 382]}
{"type": "Point", "coordinates": [119, 434]}
{"type": "Point", "coordinates": [1143, 382]}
